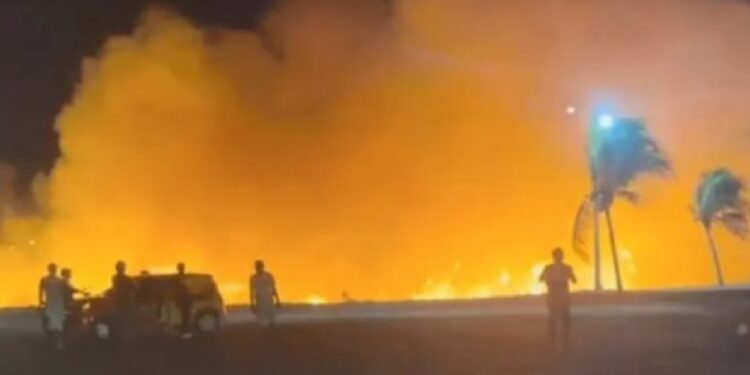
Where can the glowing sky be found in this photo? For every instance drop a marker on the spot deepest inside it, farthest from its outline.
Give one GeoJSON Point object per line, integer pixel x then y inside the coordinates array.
{"type": "Point", "coordinates": [427, 151]}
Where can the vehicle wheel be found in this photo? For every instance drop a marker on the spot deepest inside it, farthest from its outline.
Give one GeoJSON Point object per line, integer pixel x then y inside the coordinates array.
{"type": "Point", "coordinates": [102, 331]}
{"type": "Point", "coordinates": [207, 322]}
{"type": "Point", "coordinates": [743, 329]}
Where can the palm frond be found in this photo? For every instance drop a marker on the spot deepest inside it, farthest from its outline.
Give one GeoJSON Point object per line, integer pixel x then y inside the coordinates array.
{"type": "Point", "coordinates": [582, 229]}
{"type": "Point", "coordinates": [629, 196]}
{"type": "Point", "coordinates": [624, 152]}
{"type": "Point", "coordinates": [735, 223]}
{"type": "Point", "coordinates": [720, 198]}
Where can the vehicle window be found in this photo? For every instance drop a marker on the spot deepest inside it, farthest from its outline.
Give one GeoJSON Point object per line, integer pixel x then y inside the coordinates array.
{"type": "Point", "coordinates": [199, 286]}
{"type": "Point", "coordinates": [149, 291]}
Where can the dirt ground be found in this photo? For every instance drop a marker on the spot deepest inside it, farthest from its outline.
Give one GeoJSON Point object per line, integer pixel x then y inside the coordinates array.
{"type": "Point", "coordinates": [689, 336]}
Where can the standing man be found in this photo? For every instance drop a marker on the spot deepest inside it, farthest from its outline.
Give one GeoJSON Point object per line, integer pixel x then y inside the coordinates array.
{"type": "Point", "coordinates": [264, 298]}
{"type": "Point", "coordinates": [123, 292]}
{"type": "Point", "coordinates": [183, 300]}
{"type": "Point", "coordinates": [72, 310]}
{"type": "Point", "coordinates": [52, 302]}
{"type": "Point", "coordinates": [558, 277]}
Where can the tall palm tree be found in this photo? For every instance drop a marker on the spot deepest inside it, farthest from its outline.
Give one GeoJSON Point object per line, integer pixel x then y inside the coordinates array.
{"type": "Point", "coordinates": [719, 200]}
{"type": "Point", "coordinates": [618, 154]}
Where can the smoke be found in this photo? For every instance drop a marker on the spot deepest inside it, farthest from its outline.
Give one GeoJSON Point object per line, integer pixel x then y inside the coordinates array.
{"type": "Point", "coordinates": [382, 148]}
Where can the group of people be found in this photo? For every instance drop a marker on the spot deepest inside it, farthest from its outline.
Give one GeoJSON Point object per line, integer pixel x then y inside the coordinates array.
{"type": "Point", "coordinates": [58, 304]}
{"type": "Point", "coordinates": [57, 299]}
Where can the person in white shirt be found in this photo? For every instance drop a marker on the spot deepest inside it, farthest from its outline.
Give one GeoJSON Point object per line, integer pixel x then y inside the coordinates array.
{"type": "Point", "coordinates": [52, 300]}
{"type": "Point", "coordinates": [264, 298]}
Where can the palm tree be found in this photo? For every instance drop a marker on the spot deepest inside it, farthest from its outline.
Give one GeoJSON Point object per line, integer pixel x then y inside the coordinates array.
{"type": "Point", "coordinates": [719, 200]}
{"type": "Point", "coordinates": [618, 154]}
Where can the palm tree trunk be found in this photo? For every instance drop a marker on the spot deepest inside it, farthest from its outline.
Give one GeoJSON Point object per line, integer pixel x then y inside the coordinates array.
{"type": "Point", "coordinates": [597, 249]}
{"type": "Point", "coordinates": [613, 244]}
{"type": "Point", "coordinates": [715, 254]}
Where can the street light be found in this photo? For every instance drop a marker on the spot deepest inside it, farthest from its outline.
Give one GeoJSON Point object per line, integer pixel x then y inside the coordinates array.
{"type": "Point", "coordinates": [605, 121]}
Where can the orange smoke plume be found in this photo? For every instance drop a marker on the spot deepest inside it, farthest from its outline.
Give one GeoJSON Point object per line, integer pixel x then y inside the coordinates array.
{"type": "Point", "coordinates": [370, 147]}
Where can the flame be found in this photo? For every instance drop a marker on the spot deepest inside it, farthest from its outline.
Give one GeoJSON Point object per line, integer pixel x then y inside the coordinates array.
{"type": "Point", "coordinates": [535, 287]}
{"type": "Point", "coordinates": [234, 292]}
{"type": "Point", "coordinates": [436, 290]}
{"type": "Point", "coordinates": [315, 300]}
{"type": "Point", "coordinates": [418, 151]}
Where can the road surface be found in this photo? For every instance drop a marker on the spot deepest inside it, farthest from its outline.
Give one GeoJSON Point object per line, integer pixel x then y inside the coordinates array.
{"type": "Point", "coordinates": [639, 333]}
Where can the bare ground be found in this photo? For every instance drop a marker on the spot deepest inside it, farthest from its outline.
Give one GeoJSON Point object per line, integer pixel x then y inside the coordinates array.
{"type": "Point", "coordinates": [640, 333]}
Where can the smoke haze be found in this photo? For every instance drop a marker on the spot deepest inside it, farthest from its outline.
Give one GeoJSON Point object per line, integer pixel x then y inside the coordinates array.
{"type": "Point", "coordinates": [408, 149]}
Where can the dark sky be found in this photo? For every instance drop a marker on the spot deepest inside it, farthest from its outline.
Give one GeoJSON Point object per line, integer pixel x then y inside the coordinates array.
{"type": "Point", "coordinates": [43, 43]}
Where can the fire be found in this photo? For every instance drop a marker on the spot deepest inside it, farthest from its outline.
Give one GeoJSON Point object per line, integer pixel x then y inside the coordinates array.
{"type": "Point", "coordinates": [371, 149]}
{"type": "Point", "coordinates": [436, 291]}
{"type": "Point", "coordinates": [315, 300]}
{"type": "Point", "coordinates": [535, 287]}
{"type": "Point", "coordinates": [234, 292]}
{"type": "Point", "coordinates": [447, 289]}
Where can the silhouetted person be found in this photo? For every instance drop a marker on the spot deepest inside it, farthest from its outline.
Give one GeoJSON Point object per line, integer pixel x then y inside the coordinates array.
{"type": "Point", "coordinates": [70, 291]}
{"type": "Point", "coordinates": [264, 298]}
{"type": "Point", "coordinates": [558, 277]}
{"type": "Point", "coordinates": [52, 303]}
{"type": "Point", "coordinates": [345, 297]}
{"type": "Point", "coordinates": [73, 311]}
{"type": "Point", "coordinates": [183, 300]}
{"type": "Point", "coordinates": [123, 293]}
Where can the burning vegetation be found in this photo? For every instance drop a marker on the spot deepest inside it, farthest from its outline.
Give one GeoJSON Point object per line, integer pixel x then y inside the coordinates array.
{"type": "Point", "coordinates": [395, 150]}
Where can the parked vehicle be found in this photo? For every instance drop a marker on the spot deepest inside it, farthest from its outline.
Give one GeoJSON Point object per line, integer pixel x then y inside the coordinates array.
{"type": "Point", "coordinates": [155, 310]}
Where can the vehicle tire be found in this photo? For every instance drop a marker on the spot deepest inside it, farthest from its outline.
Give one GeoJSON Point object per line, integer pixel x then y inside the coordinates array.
{"type": "Point", "coordinates": [743, 329]}
{"type": "Point", "coordinates": [207, 322]}
{"type": "Point", "coordinates": [102, 330]}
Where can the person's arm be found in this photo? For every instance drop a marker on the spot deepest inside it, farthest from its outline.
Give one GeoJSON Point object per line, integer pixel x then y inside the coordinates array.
{"type": "Point", "coordinates": [276, 293]}
{"type": "Point", "coordinates": [252, 294]}
{"type": "Point", "coordinates": [543, 276]}
{"type": "Point", "coordinates": [75, 290]}
{"type": "Point", "coordinates": [573, 278]}
{"type": "Point", "coordinates": [41, 292]}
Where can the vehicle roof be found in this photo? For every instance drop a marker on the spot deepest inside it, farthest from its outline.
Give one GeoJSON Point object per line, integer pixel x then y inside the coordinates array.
{"type": "Point", "coordinates": [172, 276]}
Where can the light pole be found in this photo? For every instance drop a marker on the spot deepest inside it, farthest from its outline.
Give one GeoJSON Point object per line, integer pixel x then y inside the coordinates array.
{"type": "Point", "coordinates": [602, 122]}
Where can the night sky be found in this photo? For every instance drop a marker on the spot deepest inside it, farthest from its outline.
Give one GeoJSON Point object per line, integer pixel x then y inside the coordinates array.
{"type": "Point", "coordinates": [43, 43]}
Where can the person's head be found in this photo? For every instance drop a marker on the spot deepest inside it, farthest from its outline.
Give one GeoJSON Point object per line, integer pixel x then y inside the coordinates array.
{"type": "Point", "coordinates": [180, 268]}
{"type": "Point", "coordinates": [66, 273]}
{"type": "Point", "coordinates": [259, 266]}
{"type": "Point", "coordinates": [120, 267]}
{"type": "Point", "coordinates": [558, 255]}
{"type": "Point", "coordinates": [52, 269]}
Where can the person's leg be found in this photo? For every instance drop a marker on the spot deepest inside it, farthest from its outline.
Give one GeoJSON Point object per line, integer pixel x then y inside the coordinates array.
{"type": "Point", "coordinates": [183, 318]}
{"type": "Point", "coordinates": [265, 311]}
{"type": "Point", "coordinates": [185, 313]}
{"type": "Point", "coordinates": [116, 325]}
{"type": "Point", "coordinates": [565, 325]}
{"type": "Point", "coordinates": [551, 326]}
{"type": "Point", "coordinates": [57, 324]}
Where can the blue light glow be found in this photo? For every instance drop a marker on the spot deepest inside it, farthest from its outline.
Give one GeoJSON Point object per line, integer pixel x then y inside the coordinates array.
{"type": "Point", "coordinates": [605, 121]}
